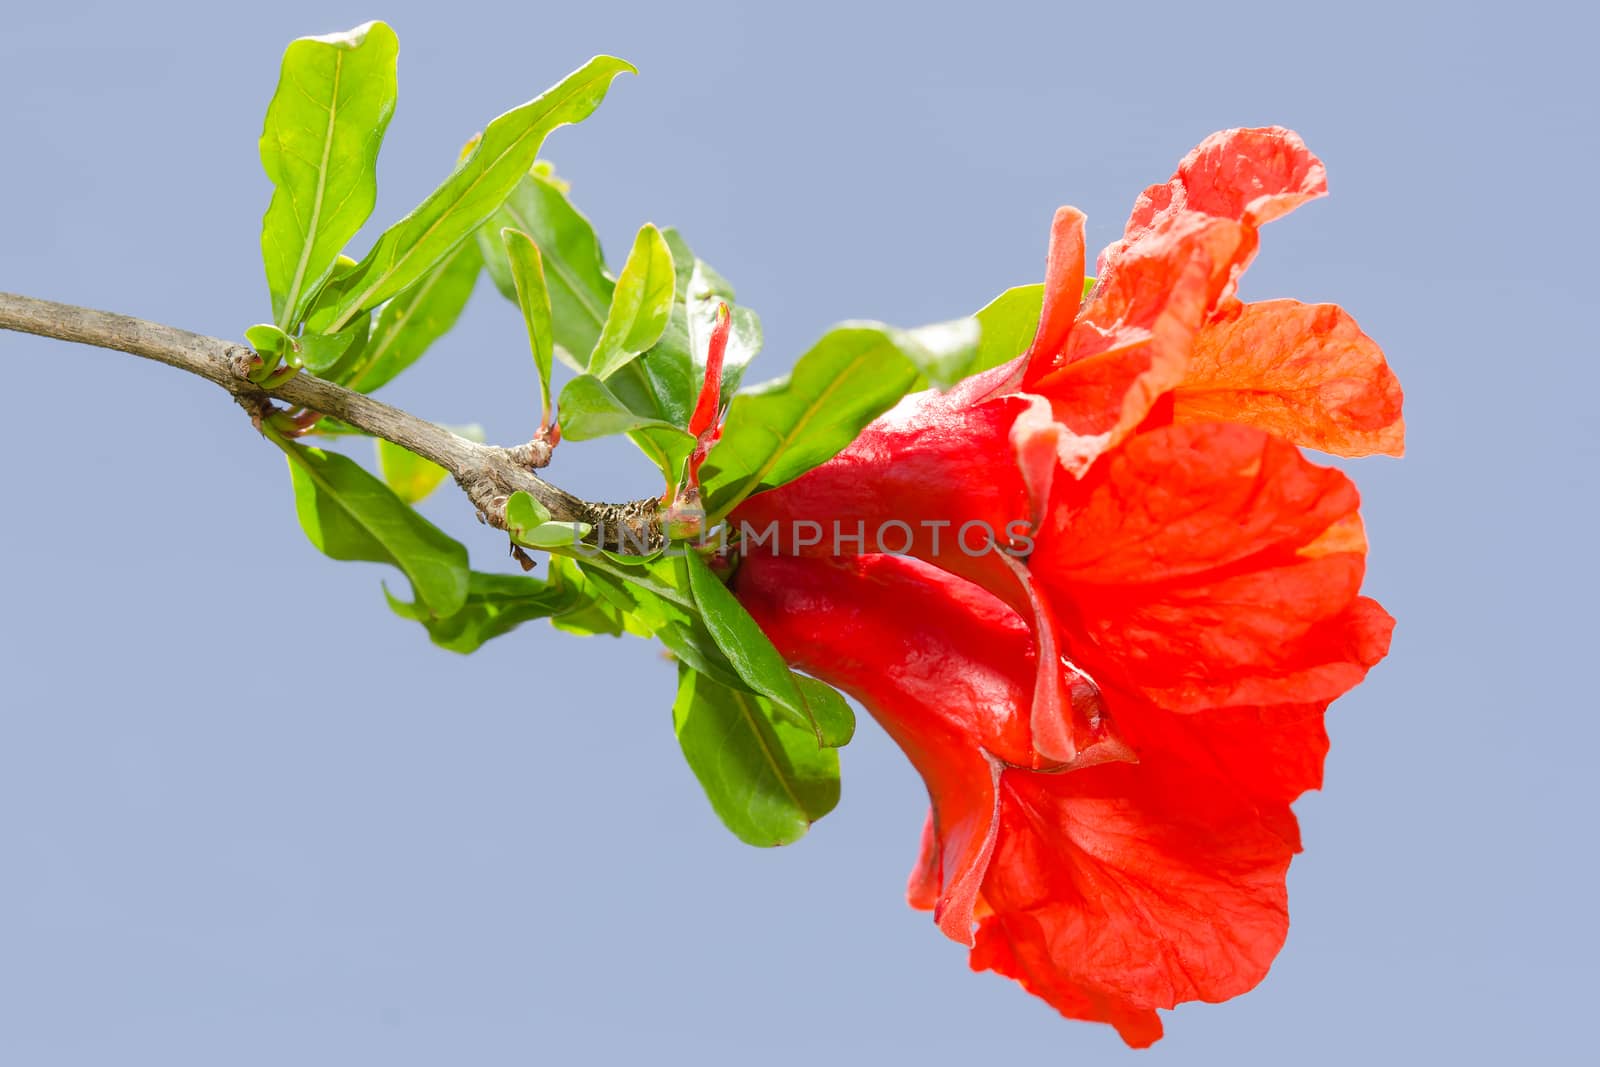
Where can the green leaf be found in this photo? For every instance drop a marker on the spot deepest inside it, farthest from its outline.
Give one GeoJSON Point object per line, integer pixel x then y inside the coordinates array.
{"type": "Point", "coordinates": [549, 535]}
{"type": "Point", "coordinates": [943, 352]}
{"type": "Point", "coordinates": [410, 476]}
{"type": "Point", "coordinates": [666, 382]}
{"type": "Point", "coordinates": [656, 599]}
{"type": "Point", "coordinates": [828, 708]}
{"type": "Point", "coordinates": [350, 515]}
{"type": "Point", "coordinates": [1007, 324]}
{"type": "Point", "coordinates": [759, 664]}
{"type": "Point", "coordinates": [319, 146]}
{"type": "Point", "coordinates": [270, 343]}
{"type": "Point", "coordinates": [472, 193]}
{"type": "Point", "coordinates": [533, 297]}
{"type": "Point", "coordinates": [330, 355]}
{"type": "Point", "coordinates": [777, 432]}
{"type": "Point", "coordinates": [648, 594]}
{"type": "Point", "coordinates": [575, 273]}
{"type": "Point", "coordinates": [766, 779]}
{"type": "Point", "coordinates": [414, 320]}
{"type": "Point", "coordinates": [641, 304]}
{"type": "Point", "coordinates": [523, 512]}
{"type": "Point", "coordinates": [654, 394]}
{"type": "Point", "coordinates": [589, 409]}
{"type": "Point", "coordinates": [496, 604]}
{"type": "Point", "coordinates": [528, 523]}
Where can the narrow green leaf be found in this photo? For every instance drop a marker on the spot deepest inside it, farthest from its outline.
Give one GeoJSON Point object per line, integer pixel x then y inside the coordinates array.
{"type": "Point", "coordinates": [766, 779]}
{"type": "Point", "coordinates": [641, 304]}
{"type": "Point", "coordinates": [496, 604]}
{"type": "Point", "coordinates": [648, 596]}
{"type": "Point", "coordinates": [533, 297]}
{"type": "Point", "coordinates": [472, 193]}
{"type": "Point", "coordinates": [410, 476]}
{"type": "Point", "coordinates": [410, 323]}
{"type": "Point", "coordinates": [753, 656]}
{"type": "Point", "coordinates": [777, 432]}
{"type": "Point", "coordinates": [319, 146]}
{"type": "Point", "coordinates": [575, 273]}
{"type": "Point", "coordinates": [757, 661]}
{"type": "Point", "coordinates": [350, 515]}
{"type": "Point", "coordinates": [1007, 324]}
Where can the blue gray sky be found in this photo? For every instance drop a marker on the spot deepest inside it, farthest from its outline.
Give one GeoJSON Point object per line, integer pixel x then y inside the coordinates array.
{"type": "Point", "coordinates": [249, 817]}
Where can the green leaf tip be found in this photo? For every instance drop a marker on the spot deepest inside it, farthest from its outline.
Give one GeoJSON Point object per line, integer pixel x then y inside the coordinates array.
{"type": "Point", "coordinates": [475, 190]}
{"type": "Point", "coordinates": [766, 778]}
{"type": "Point", "coordinates": [641, 304]}
{"type": "Point", "coordinates": [353, 38]}
{"type": "Point", "coordinates": [533, 299]}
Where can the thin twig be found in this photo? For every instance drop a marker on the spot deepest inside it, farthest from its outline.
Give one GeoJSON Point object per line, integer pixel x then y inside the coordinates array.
{"type": "Point", "coordinates": [486, 473]}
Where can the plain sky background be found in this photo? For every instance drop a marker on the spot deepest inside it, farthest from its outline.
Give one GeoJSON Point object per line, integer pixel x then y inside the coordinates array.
{"type": "Point", "coordinates": [249, 817]}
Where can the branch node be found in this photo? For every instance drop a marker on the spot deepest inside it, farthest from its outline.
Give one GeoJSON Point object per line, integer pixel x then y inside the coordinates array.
{"type": "Point", "coordinates": [243, 361]}
{"type": "Point", "coordinates": [257, 405]}
{"type": "Point", "coordinates": [535, 455]}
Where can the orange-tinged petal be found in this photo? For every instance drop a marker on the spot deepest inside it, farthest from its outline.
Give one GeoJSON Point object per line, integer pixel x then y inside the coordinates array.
{"type": "Point", "coordinates": [1249, 176]}
{"type": "Point", "coordinates": [1179, 500]}
{"type": "Point", "coordinates": [1063, 284]}
{"type": "Point", "coordinates": [923, 887]}
{"type": "Point", "coordinates": [1305, 372]}
{"type": "Point", "coordinates": [1199, 568]}
{"type": "Point", "coordinates": [1253, 175]}
{"type": "Point", "coordinates": [1132, 340]}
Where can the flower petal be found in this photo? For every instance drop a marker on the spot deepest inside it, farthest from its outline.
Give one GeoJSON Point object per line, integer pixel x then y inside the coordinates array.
{"type": "Point", "coordinates": [1305, 372]}
{"type": "Point", "coordinates": [1253, 175]}
{"type": "Point", "coordinates": [1211, 566]}
{"type": "Point", "coordinates": [1118, 890]}
{"type": "Point", "coordinates": [1110, 891]}
{"type": "Point", "coordinates": [1132, 340]}
{"type": "Point", "coordinates": [1063, 284]}
{"type": "Point", "coordinates": [845, 622]}
{"type": "Point", "coordinates": [1248, 176]}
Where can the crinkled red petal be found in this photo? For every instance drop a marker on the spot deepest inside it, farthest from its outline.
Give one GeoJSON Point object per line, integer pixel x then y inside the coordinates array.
{"type": "Point", "coordinates": [1305, 372]}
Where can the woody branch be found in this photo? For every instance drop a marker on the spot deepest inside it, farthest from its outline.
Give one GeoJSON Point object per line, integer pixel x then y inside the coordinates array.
{"type": "Point", "coordinates": [488, 474]}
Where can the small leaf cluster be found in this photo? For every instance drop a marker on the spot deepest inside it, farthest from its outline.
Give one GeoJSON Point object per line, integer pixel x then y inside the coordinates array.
{"type": "Point", "coordinates": [762, 740]}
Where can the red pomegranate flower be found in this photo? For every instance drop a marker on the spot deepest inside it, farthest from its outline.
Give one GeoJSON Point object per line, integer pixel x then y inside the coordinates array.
{"type": "Point", "coordinates": [1130, 601]}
